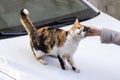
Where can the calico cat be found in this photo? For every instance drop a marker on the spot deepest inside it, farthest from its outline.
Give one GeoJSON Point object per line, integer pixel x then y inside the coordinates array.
{"type": "Point", "coordinates": [50, 41]}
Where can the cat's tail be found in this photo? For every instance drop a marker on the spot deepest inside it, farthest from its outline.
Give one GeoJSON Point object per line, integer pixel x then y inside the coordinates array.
{"type": "Point", "coordinates": [24, 18]}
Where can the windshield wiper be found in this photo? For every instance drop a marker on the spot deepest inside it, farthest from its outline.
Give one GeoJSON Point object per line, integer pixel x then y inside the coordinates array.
{"type": "Point", "coordinates": [66, 21]}
{"type": "Point", "coordinates": [60, 22]}
{"type": "Point", "coordinates": [11, 34]}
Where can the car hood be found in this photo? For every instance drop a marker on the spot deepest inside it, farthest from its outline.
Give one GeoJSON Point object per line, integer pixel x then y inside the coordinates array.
{"type": "Point", "coordinates": [96, 61]}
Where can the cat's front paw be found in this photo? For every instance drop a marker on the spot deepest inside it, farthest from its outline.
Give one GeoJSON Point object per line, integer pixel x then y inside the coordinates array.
{"type": "Point", "coordinates": [77, 71]}
{"type": "Point", "coordinates": [66, 68]}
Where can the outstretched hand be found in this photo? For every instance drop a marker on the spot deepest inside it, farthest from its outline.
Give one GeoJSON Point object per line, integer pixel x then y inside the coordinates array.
{"type": "Point", "coordinates": [93, 31]}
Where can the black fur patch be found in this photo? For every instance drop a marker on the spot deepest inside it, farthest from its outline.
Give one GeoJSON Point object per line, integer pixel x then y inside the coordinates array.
{"type": "Point", "coordinates": [66, 33]}
{"type": "Point", "coordinates": [43, 31]}
{"type": "Point", "coordinates": [42, 45]}
{"type": "Point", "coordinates": [61, 62]}
{"type": "Point", "coordinates": [85, 29]}
{"type": "Point", "coordinates": [73, 68]}
{"type": "Point", "coordinates": [22, 13]}
{"type": "Point", "coordinates": [59, 30]}
{"type": "Point", "coordinates": [52, 40]}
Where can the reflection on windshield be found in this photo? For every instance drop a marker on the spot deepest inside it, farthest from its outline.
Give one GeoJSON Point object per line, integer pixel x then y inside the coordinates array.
{"type": "Point", "coordinates": [39, 10]}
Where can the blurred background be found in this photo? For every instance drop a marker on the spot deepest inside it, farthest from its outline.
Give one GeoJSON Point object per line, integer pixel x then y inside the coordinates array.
{"type": "Point", "coordinates": [111, 7]}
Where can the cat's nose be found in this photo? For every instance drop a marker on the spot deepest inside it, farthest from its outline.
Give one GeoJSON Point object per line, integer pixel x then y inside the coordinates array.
{"type": "Point", "coordinates": [85, 29]}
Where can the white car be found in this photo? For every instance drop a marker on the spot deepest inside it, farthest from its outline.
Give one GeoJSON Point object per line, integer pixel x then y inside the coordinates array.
{"type": "Point", "coordinates": [95, 60]}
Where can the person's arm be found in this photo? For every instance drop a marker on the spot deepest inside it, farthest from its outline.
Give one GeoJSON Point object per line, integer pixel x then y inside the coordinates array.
{"type": "Point", "coordinates": [110, 36]}
{"type": "Point", "coordinates": [106, 35]}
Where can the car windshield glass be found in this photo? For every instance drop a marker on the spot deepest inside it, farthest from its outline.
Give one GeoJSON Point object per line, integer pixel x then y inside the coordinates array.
{"type": "Point", "coordinates": [41, 12]}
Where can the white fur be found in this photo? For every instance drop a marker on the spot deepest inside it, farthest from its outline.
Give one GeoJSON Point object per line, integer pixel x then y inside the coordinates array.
{"type": "Point", "coordinates": [68, 48]}
{"type": "Point", "coordinates": [38, 53]}
{"type": "Point", "coordinates": [26, 12]}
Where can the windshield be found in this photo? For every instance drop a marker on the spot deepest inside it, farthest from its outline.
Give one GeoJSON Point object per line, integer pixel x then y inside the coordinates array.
{"type": "Point", "coordinates": [41, 11]}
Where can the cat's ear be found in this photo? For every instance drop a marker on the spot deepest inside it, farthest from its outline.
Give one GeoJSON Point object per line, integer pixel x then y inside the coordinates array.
{"type": "Point", "coordinates": [76, 21]}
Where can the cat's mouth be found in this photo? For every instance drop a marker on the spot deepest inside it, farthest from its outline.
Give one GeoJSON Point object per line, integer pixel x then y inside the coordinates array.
{"type": "Point", "coordinates": [79, 33]}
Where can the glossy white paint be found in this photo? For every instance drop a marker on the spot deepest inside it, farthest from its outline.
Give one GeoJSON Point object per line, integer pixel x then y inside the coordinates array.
{"type": "Point", "coordinates": [95, 60]}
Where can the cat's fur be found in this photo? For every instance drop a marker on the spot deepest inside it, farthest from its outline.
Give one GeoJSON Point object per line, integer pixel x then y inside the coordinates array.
{"type": "Point", "coordinates": [49, 41]}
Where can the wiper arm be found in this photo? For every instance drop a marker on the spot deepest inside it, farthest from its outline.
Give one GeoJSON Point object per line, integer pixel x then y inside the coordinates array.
{"type": "Point", "coordinates": [65, 20]}
{"type": "Point", "coordinates": [58, 22]}
{"type": "Point", "coordinates": [11, 34]}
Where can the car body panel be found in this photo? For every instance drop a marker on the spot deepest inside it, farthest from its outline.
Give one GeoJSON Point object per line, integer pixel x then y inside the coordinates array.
{"type": "Point", "coordinates": [95, 60]}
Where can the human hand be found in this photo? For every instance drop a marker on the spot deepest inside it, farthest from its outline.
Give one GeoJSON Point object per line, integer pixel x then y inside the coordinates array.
{"type": "Point", "coordinates": [93, 31]}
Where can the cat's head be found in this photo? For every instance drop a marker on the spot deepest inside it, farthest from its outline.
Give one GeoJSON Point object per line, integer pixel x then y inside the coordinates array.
{"type": "Point", "coordinates": [78, 30]}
